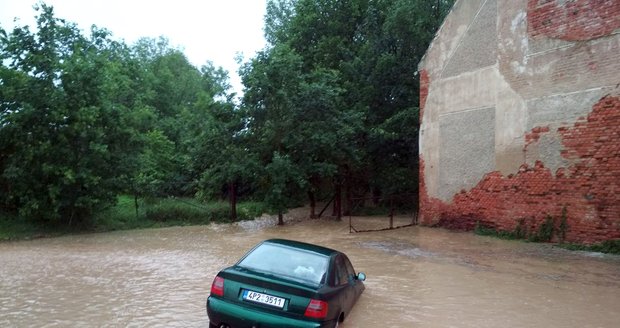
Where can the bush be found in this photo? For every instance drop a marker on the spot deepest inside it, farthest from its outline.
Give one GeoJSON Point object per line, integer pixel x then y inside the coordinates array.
{"type": "Point", "coordinates": [250, 210]}
{"type": "Point", "coordinates": [481, 230]}
{"type": "Point", "coordinates": [545, 231]}
{"type": "Point", "coordinates": [486, 231]}
{"type": "Point", "coordinates": [563, 228]}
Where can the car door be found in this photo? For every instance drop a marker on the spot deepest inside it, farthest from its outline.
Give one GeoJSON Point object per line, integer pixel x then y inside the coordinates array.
{"type": "Point", "coordinates": [357, 286]}
{"type": "Point", "coordinates": [346, 282]}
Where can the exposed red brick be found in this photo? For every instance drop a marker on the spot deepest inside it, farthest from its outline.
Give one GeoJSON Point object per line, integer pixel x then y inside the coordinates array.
{"type": "Point", "coordinates": [424, 84]}
{"type": "Point", "coordinates": [535, 134]}
{"type": "Point", "coordinates": [589, 189]}
{"type": "Point", "coordinates": [573, 20]}
{"type": "Point", "coordinates": [432, 210]}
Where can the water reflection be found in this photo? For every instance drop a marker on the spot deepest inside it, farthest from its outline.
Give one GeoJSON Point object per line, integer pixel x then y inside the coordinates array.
{"type": "Point", "coordinates": [416, 277]}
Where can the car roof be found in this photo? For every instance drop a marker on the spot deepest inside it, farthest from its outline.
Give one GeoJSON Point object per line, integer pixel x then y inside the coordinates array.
{"type": "Point", "coordinates": [304, 246]}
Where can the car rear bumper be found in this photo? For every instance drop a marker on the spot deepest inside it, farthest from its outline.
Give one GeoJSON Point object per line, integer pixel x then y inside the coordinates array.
{"type": "Point", "coordinates": [237, 316]}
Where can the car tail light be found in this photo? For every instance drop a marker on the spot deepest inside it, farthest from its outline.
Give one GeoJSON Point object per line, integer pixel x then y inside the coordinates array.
{"type": "Point", "coordinates": [316, 309]}
{"type": "Point", "coordinates": [217, 288]}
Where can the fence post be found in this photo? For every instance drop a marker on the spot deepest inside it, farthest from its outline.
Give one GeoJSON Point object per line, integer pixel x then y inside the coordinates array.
{"type": "Point", "coordinates": [392, 213]}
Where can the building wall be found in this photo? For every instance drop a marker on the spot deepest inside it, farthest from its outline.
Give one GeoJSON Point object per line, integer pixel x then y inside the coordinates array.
{"type": "Point", "coordinates": [520, 117]}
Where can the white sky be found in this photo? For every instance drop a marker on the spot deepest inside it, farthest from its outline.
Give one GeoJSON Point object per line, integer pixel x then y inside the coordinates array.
{"type": "Point", "coordinates": [206, 30]}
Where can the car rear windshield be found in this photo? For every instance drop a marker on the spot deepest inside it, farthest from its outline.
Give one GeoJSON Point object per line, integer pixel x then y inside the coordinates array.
{"type": "Point", "coordinates": [287, 262]}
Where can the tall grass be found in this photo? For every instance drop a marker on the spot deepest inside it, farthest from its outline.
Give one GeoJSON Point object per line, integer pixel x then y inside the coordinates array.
{"type": "Point", "coordinates": [150, 213]}
{"type": "Point", "coordinates": [161, 212]}
{"type": "Point", "coordinates": [12, 227]}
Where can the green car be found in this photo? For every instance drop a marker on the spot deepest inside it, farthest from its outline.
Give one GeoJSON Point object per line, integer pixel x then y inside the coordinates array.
{"type": "Point", "coordinates": [284, 283]}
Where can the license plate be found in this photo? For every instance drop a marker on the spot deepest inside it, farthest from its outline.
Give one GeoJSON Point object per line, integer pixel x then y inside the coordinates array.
{"type": "Point", "coordinates": [261, 298]}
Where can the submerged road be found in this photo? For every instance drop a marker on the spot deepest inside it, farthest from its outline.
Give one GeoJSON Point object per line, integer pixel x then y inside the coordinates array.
{"type": "Point", "coordinates": [417, 277]}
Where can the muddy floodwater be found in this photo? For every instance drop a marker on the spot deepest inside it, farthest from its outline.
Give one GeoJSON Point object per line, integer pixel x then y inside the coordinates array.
{"type": "Point", "coordinates": [417, 277]}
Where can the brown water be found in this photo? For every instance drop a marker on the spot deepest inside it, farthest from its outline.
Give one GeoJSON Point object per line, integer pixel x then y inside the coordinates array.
{"type": "Point", "coordinates": [417, 277]}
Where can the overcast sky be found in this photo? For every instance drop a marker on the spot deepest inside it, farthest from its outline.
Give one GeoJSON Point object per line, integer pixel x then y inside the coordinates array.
{"type": "Point", "coordinates": [212, 30]}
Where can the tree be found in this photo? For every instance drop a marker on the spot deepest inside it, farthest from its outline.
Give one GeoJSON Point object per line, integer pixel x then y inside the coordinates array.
{"type": "Point", "coordinates": [271, 83]}
{"type": "Point", "coordinates": [391, 56]}
{"type": "Point", "coordinates": [347, 70]}
{"type": "Point", "coordinates": [278, 17]}
{"type": "Point", "coordinates": [170, 89]}
{"type": "Point", "coordinates": [64, 138]}
{"type": "Point", "coordinates": [171, 102]}
{"type": "Point", "coordinates": [332, 98]}
{"type": "Point", "coordinates": [222, 156]}
{"type": "Point", "coordinates": [322, 145]}
{"type": "Point", "coordinates": [157, 164]}
{"type": "Point", "coordinates": [285, 184]}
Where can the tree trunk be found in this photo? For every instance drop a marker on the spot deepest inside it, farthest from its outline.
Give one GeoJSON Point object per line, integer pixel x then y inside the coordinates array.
{"type": "Point", "coordinates": [376, 196]}
{"type": "Point", "coordinates": [280, 218]}
{"type": "Point", "coordinates": [348, 197]}
{"type": "Point", "coordinates": [232, 196]}
{"type": "Point", "coordinates": [312, 204]}
{"type": "Point", "coordinates": [135, 201]}
{"type": "Point", "coordinates": [337, 212]}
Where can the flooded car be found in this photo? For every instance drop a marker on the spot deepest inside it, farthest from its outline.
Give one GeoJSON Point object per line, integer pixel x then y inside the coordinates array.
{"type": "Point", "coordinates": [284, 283]}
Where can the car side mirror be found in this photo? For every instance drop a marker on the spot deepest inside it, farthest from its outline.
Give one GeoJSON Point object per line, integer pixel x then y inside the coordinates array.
{"type": "Point", "coordinates": [361, 276]}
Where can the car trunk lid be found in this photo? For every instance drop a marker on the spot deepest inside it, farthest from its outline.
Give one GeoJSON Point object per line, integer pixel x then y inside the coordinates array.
{"type": "Point", "coordinates": [284, 296]}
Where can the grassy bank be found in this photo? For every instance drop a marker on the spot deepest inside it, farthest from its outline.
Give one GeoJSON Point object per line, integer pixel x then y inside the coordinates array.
{"type": "Point", "coordinates": [151, 213]}
{"type": "Point", "coordinates": [609, 246]}
{"type": "Point", "coordinates": [11, 229]}
{"type": "Point", "coordinates": [544, 235]}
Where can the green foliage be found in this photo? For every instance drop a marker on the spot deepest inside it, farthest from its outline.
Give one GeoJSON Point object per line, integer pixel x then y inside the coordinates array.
{"type": "Point", "coordinates": [520, 231]}
{"type": "Point", "coordinates": [191, 211]}
{"type": "Point", "coordinates": [285, 182]}
{"type": "Point", "coordinates": [156, 164]}
{"type": "Point", "coordinates": [249, 210]}
{"type": "Point", "coordinates": [330, 102]}
{"type": "Point", "coordinates": [171, 210]}
{"type": "Point", "coordinates": [346, 70]}
{"type": "Point", "coordinates": [608, 246]}
{"type": "Point", "coordinates": [220, 152]}
{"type": "Point", "coordinates": [545, 231]}
{"type": "Point", "coordinates": [563, 228]}
{"type": "Point", "coordinates": [544, 234]}
{"type": "Point", "coordinates": [159, 212]}
{"type": "Point", "coordinates": [171, 114]}
{"type": "Point", "coordinates": [11, 228]}
{"type": "Point", "coordinates": [83, 118]}
{"type": "Point", "coordinates": [481, 230]}
{"type": "Point", "coordinates": [63, 141]}
{"type": "Point", "coordinates": [153, 212]}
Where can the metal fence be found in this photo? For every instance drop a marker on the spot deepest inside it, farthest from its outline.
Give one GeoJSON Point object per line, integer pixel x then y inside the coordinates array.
{"type": "Point", "coordinates": [393, 212]}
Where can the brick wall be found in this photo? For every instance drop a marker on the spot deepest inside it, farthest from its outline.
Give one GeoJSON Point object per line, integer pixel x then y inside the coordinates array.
{"type": "Point", "coordinates": [573, 20]}
{"type": "Point", "coordinates": [588, 189]}
{"type": "Point", "coordinates": [552, 100]}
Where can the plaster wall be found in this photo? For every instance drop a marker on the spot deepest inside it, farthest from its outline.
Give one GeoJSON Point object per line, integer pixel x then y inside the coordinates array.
{"type": "Point", "coordinates": [499, 88]}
